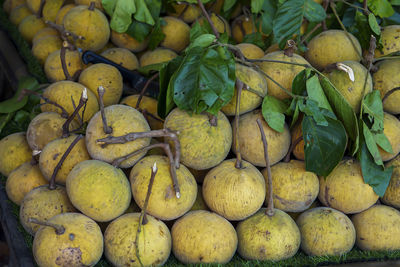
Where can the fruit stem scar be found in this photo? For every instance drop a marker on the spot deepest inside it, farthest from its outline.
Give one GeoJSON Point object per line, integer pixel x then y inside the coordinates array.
{"type": "Point", "coordinates": [59, 228]}
{"type": "Point", "coordinates": [239, 87]}
{"type": "Point", "coordinates": [101, 91]}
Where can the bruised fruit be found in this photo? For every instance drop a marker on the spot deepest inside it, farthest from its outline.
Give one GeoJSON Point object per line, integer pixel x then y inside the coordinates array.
{"type": "Point", "coordinates": [22, 180]}
{"type": "Point", "coordinates": [203, 237]}
{"type": "Point", "coordinates": [390, 39]}
{"type": "Point", "coordinates": [332, 46]}
{"type": "Point", "coordinates": [392, 193]}
{"type": "Point", "coordinates": [378, 228]}
{"type": "Point", "coordinates": [53, 68]}
{"type": "Point", "coordinates": [122, 57]}
{"type": "Point", "coordinates": [202, 145]}
{"type": "Point", "coordinates": [163, 203]}
{"type": "Point", "coordinates": [14, 151]}
{"type": "Point", "coordinates": [344, 189]}
{"type": "Point", "coordinates": [76, 242]}
{"type": "Point", "coordinates": [234, 193]}
{"type": "Point", "coordinates": [98, 190]}
{"type": "Point", "coordinates": [176, 34]}
{"type": "Point", "coordinates": [123, 120]}
{"type": "Point", "coordinates": [29, 26]}
{"type": "Point", "coordinates": [124, 40]}
{"type": "Point", "coordinates": [391, 130]}
{"type": "Point", "coordinates": [251, 146]}
{"type": "Point", "coordinates": [326, 232]}
{"type": "Point", "coordinates": [120, 241]}
{"type": "Point", "coordinates": [158, 55]}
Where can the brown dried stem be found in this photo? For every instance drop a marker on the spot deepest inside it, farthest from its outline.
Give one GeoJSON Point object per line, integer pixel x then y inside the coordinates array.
{"type": "Point", "coordinates": [291, 48]}
{"type": "Point", "coordinates": [292, 147]}
{"type": "Point", "coordinates": [147, 114]}
{"type": "Point", "coordinates": [107, 129]}
{"type": "Point", "coordinates": [388, 93]}
{"type": "Point", "coordinates": [63, 32]}
{"type": "Point", "coordinates": [167, 151]}
{"type": "Point", "coordinates": [155, 133]}
{"type": "Point", "coordinates": [92, 5]}
{"type": "Point", "coordinates": [63, 51]}
{"type": "Point", "coordinates": [35, 157]}
{"type": "Point", "coordinates": [77, 115]}
{"type": "Point", "coordinates": [212, 119]}
{"type": "Point", "coordinates": [52, 184]}
{"type": "Point", "coordinates": [59, 228]}
{"type": "Point", "coordinates": [325, 4]}
{"type": "Point", "coordinates": [144, 89]}
{"type": "Point", "coordinates": [39, 13]}
{"type": "Point", "coordinates": [205, 13]}
{"type": "Point", "coordinates": [239, 86]}
{"type": "Point", "coordinates": [310, 33]}
{"type": "Point", "coordinates": [369, 58]}
{"type": "Point", "coordinates": [64, 113]}
{"type": "Point", "coordinates": [270, 209]}
{"type": "Point", "coordinates": [82, 102]}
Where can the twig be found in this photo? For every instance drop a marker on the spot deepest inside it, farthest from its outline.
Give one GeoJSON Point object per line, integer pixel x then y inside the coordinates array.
{"type": "Point", "coordinates": [292, 147]}
{"type": "Point", "coordinates": [63, 51]}
{"type": "Point", "coordinates": [144, 89]}
{"type": "Point", "coordinates": [64, 113]}
{"type": "Point", "coordinates": [39, 13]}
{"type": "Point", "coordinates": [59, 228]}
{"type": "Point", "coordinates": [52, 184]}
{"type": "Point", "coordinates": [325, 4]}
{"type": "Point", "coordinates": [270, 209]}
{"type": "Point", "coordinates": [291, 48]}
{"type": "Point", "coordinates": [310, 33]}
{"type": "Point", "coordinates": [92, 5]}
{"type": "Point", "coordinates": [82, 102]}
{"type": "Point", "coordinates": [146, 113]}
{"type": "Point", "coordinates": [239, 86]}
{"type": "Point", "coordinates": [107, 129]}
{"type": "Point", "coordinates": [388, 93]}
{"type": "Point", "coordinates": [215, 31]}
{"type": "Point", "coordinates": [365, 6]}
{"type": "Point", "coordinates": [63, 32]}
{"type": "Point", "coordinates": [77, 115]}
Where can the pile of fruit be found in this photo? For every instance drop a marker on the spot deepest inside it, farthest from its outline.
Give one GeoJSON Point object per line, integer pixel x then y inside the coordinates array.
{"type": "Point", "coordinates": [292, 104]}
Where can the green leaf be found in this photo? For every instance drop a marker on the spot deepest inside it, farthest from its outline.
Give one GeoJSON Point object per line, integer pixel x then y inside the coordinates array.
{"type": "Point", "coordinates": [121, 16]}
{"type": "Point", "coordinates": [4, 119]}
{"type": "Point", "coordinates": [256, 5]}
{"type": "Point", "coordinates": [324, 146]}
{"type": "Point", "coordinates": [343, 111]}
{"type": "Point", "coordinates": [381, 8]}
{"type": "Point", "coordinates": [204, 40]}
{"type": "Point", "coordinates": [313, 11]}
{"type": "Point", "coordinates": [383, 142]}
{"type": "Point", "coordinates": [310, 108]}
{"type": "Point", "coordinates": [267, 16]}
{"type": "Point", "coordinates": [371, 144]}
{"type": "Point", "coordinates": [299, 82]}
{"type": "Point", "coordinates": [228, 4]}
{"type": "Point", "coordinates": [205, 80]}
{"type": "Point", "coordinates": [157, 34]}
{"type": "Point", "coordinates": [273, 111]}
{"type": "Point", "coordinates": [142, 13]}
{"type": "Point", "coordinates": [315, 92]}
{"type": "Point", "coordinates": [138, 30]}
{"type": "Point", "coordinates": [376, 176]}
{"type": "Point", "coordinates": [153, 67]}
{"type": "Point", "coordinates": [395, 2]}
{"type": "Point", "coordinates": [13, 104]}
{"type": "Point", "coordinates": [109, 6]}
{"type": "Point", "coordinates": [197, 30]}
{"type": "Point", "coordinates": [373, 108]}
{"type": "Point", "coordinates": [373, 24]}
{"type": "Point", "coordinates": [256, 39]}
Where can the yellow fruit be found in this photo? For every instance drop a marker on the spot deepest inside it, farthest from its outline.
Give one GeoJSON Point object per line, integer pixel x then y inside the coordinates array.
{"type": "Point", "coordinates": [391, 129]}
{"type": "Point", "coordinates": [42, 203]}
{"type": "Point", "coordinates": [263, 237]}
{"type": "Point", "coordinates": [250, 51]}
{"type": "Point", "coordinates": [326, 232]}
{"type": "Point", "coordinates": [123, 120]}
{"type": "Point", "coordinates": [332, 46]}
{"type": "Point", "coordinates": [103, 75]}
{"type": "Point", "coordinates": [296, 133]}
{"type": "Point", "coordinates": [344, 189]}
{"type": "Point", "coordinates": [62, 12]}
{"type": "Point", "coordinates": [392, 194]}
{"type": "Point", "coordinates": [51, 8]}
{"type": "Point", "coordinates": [295, 189]}
{"type": "Point", "coordinates": [98, 190]}
{"type": "Point", "coordinates": [44, 46]}
{"type": "Point", "coordinates": [149, 105]}
{"type": "Point", "coordinates": [202, 145]}
{"type": "Point", "coordinates": [62, 92]}
{"type": "Point", "coordinates": [281, 73]}
{"type": "Point", "coordinates": [124, 40]}
{"type": "Point", "coordinates": [22, 180]}
{"type": "Point", "coordinates": [242, 26]}
{"type": "Point", "coordinates": [122, 57]}
{"type": "Point", "coordinates": [353, 92]}
{"type": "Point", "coordinates": [234, 193]}
{"type": "Point", "coordinates": [390, 40]}
{"type": "Point", "coordinates": [163, 203]}
{"type": "Point", "coordinates": [156, 56]}
{"type": "Point", "coordinates": [251, 98]}
{"type": "Point", "coordinates": [14, 151]}
{"type": "Point", "coordinates": [88, 2]}
{"type": "Point", "coordinates": [19, 13]}
{"type": "Point", "coordinates": [378, 228]}
{"type": "Point", "coordinates": [80, 245]}
{"type": "Point", "coordinates": [251, 146]}
{"type": "Point", "coordinates": [33, 5]}
{"type": "Point", "coordinates": [45, 32]}
{"type": "Point", "coordinates": [219, 22]}
{"type": "Point", "coordinates": [9, 5]}
{"type": "Point", "coordinates": [52, 153]}
{"type": "Point", "coordinates": [176, 34]}
{"type": "Point", "coordinates": [203, 237]}
{"type": "Point", "coordinates": [199, 203]}
{"type": "Point", "coordinates": [29, 26]}
{"type": "Point", "coordinates": [120, 241]}
{"type": "Point", "coordinates": [187, 12]}
{"type": "Point", "coordinates": [53, 67]}
{"type": "Point", "coordinates": [385, 79]}
{"type": "Point", "coordinates": [91, 24]}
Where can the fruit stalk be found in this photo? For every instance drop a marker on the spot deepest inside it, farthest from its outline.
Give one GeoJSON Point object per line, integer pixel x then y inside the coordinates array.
{"type": "Point", "coordinates": [388, 93]}
{"type": "Point", "coordinates": [39, 13]}
{"type": "Point", "coordinates": [291, 148]}
{"type": "Point", "coordinates": [64, 63]}
{"type": "Point", "coordinates": [239, 86]}
{"type": "Point", "coordinates": [82, 102]}
{"type": "Point", "coordinates": [64, 113]}
{"type": "Point", "coordinates": [146, 85]}
{"type": "Point", "coordinates": [216, 33]}
{"type": "Point", "coordinates": [270, 209]}
{"type": "Point", "coordinates": [59, 228]}
{"type": "Point", "coordinates": [107, 129]}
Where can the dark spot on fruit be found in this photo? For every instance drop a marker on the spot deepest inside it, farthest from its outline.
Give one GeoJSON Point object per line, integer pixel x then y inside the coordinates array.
{"type": "Point", "coordinates": [55, 156]}
{"type": "Point", "coordinates": [71, 237]}
{"type": "Point", "coordinates": [70, 257]}
{"type": "Point", "coordinates": [131, 260]}
{"type": "Point", "coordinates": [262, 250]}
{"type": "Point", "coordinates": [362, 238]}
{"type": "Point", "coordinates": [200, 258]}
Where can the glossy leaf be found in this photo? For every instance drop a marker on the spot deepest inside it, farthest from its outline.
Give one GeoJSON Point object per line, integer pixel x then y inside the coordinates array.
{"type": "Point", "coordinates": [138, 30]}
{"type": "Point", "coordinates": [373, 108]}
{"type": "Point", "coordinates": [315, 92]}
{"type": "Point", "coordinates": [267, 16]}
{"type": "Point", "coordinates": [381, 8]}
{"type": "Point", "coordinates": [299, 82]}
{"type": "Point", "coordinates": [256, 5]}
{"type": "Point", "coordinates": [157, 34]}
{"type": "Point", "coordinates": [373, 24]}
{"type": "Point", "coordinates": [371, 144]}
{"type": "Point", "coordinates": [273, 111]}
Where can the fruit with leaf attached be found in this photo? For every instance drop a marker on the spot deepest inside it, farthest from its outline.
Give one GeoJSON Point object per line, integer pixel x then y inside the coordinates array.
{"type": "Point", "coordinates": [250, 51]}
{"type": "Point", "coordinates": [352, 88]}
{"type": "Point", "coordinates": [188, 12]}
{"type": "Point", "coordinates": [14, 151]}
{"type": "Point", "coordinates": [264, 237]}
{"type": "Point", "coordinates": [99, 190]}
{"type": "Point", "coordinates": [378, 228]}
{"type": "Point", "coordinates": [391, 129]}
{"type": "Point", "coordinates": [390, 39]}
{"type": "Point", "coordinates": [392, 193]}
{"type": "Point", "coordinates": [326, 232]}
{"type": "Point", "coordinates": [22, 180]}
{"type": "Point", "coordinates": [154, 241]}
{"type": "Point", "coordinates": [122, 57]}
{"type": "Point", "coordinates": [234, 193]}
{"type": "Point", "coordinates": [53, 67]}
{"type": "Point", "coordinates": [124, 40]}
{"type": "Point", "coordinates": [158, 55]}
{"type": "Point", "coordinates": [344, 189]}
{"type": "Point", "coordinates": [176, 34]}
{"type": "Point", "coordinates": [29, 26]}
{"type": "Point", "coordinates": [77, 242]}
{"type": "Point", "coordinates": [103, 75]}
{"type": "Point", "coordinates": [44, 46]}
{"type": "Point", "coordinates": [385, 79]}
{"type": "Point", "coordinates": [203, 237]}
{"type": "Point", "coordinates": [324, 48]}
{"type": "Point", "coordinates": [163, 203]}
{"type": "Point", "coordinates": [251, 144]}
{"type": "Point", "coordinates": [295, 189]}
{"type": "Point", "coordinates": [123, 119]}
{"type": "Point", "coordinates": [19, 13]}
{"type": "Point", "coordinates": [203, 145]}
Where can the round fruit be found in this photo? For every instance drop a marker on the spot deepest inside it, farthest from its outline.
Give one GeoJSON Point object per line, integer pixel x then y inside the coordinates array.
{"type": "Point", "coordinates": [50, 9]}
{"type": "Point", "coordinates": [176, 34]}
{"type": "Point", "coordinates": [44, 46]}
{"type": "Point", "coordinates": [392, 193]}
{"type": "Point", "coordinates": [53, 68]}
{"type": "Point", "coordinates": [19, 13]}
{"type": "Point", "coordinates": [14, 151]}
{"type": "Point", "coordinates": [391, 129]}
{"type": "Point", "coordinates": [158, 55]}
{"type": "Point", "coordinates": [29, 26]}
{"type": "Point", "coordinates": [122, 57]}
{"type": "Point", "coordinates": [62, 12]}
{"type": "Point", "coordinates": [250, 51]}
{"type": "Point", "coordinates": [45, 32]}
{"type": "Point", "coordinates": [187, 12]}
{"type": "Point", "coordinates": [242, 26]}
{"type": "Point", "coordinates": [124, 40]}
{"type": "Point", "coordinates": [390, 40]}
